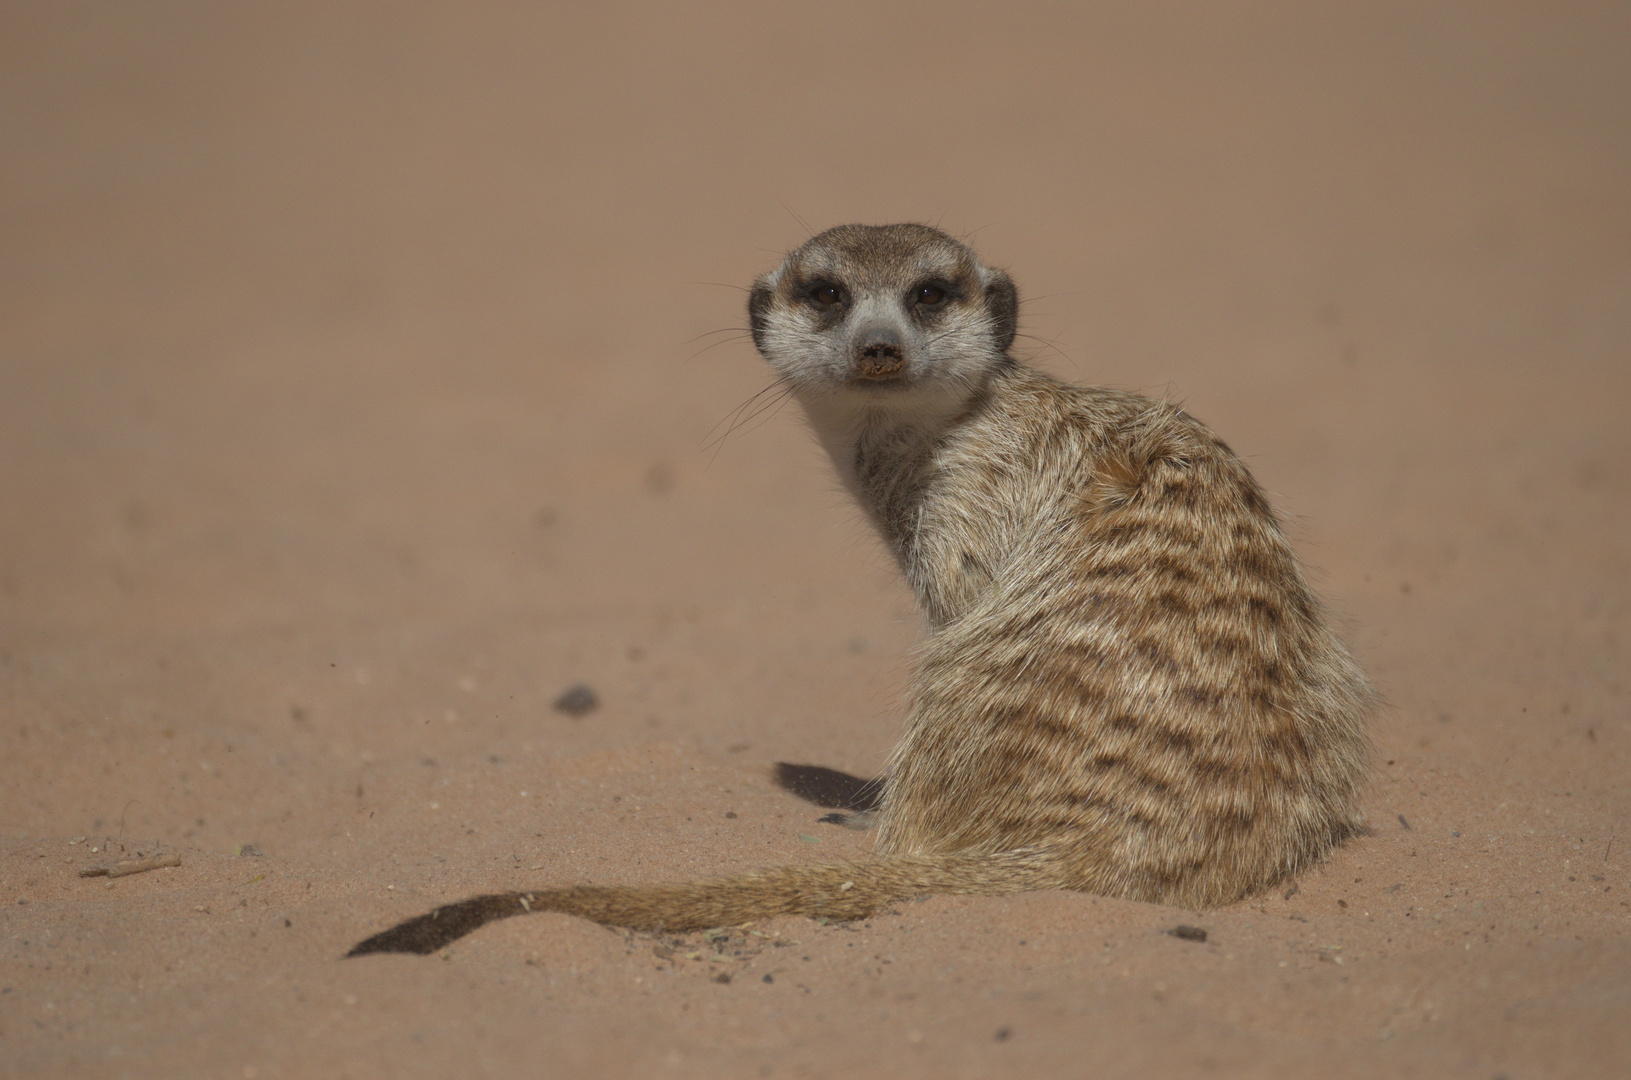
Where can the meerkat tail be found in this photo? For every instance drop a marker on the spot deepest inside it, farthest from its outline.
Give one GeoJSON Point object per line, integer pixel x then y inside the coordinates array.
{"type": "Point", "coordinates": [842, 891]}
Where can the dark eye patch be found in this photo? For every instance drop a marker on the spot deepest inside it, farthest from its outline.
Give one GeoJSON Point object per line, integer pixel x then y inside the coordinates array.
{"type": "Point", "coordinates": [932, 294]}
{"type": "Point", "coordinates": [827, 294]}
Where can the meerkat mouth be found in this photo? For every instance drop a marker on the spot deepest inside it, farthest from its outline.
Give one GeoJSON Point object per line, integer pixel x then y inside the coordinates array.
{"type": "Point", "coordinates": [892, 381]}
{"type": "Point", "coordinates": [879, 367]}
{"type": "Point", "coordinates": [895, 374]}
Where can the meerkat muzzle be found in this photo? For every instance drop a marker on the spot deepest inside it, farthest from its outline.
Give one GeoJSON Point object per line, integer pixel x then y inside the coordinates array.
{"type": "Point", "coordinates": [879, 366]}
{"type": "Point", "coordinates": [879, 354]}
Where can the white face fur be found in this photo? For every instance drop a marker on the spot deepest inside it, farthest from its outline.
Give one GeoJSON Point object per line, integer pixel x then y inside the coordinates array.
{"type": "Point", "coordinates": [883, 326]}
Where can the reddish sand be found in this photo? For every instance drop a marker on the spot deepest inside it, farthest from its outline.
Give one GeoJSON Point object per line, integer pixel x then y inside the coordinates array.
{"type": "Point", "coordinates": [367, 378]}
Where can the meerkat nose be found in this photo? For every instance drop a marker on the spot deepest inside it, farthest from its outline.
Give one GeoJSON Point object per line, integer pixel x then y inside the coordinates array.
{"type": "Point", "coordinates": [879, 352]}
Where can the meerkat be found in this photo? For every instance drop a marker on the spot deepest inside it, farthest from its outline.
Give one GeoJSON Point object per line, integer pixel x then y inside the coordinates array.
{"type": "Point", "coordinates": [1127, 687]}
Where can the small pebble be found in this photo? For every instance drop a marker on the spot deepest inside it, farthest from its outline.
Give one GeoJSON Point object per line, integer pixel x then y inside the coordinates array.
{"type": "Point", "coordinates": [577, 701]}
{"type": "Point", "coordinates": [1188, 933]}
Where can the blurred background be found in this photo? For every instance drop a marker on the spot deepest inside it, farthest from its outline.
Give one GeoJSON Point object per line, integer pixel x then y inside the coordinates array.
{"type": "Point", "coordinates": [371, 373]}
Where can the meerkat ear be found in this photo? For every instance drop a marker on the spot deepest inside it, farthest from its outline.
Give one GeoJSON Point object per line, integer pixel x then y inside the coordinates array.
{"type": "Point", "coordinates": [1002, 300]}
{"type": "Point", "coordinates": [758, 311]}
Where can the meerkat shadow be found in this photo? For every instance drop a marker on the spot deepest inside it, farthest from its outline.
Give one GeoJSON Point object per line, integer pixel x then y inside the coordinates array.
{"type": "Point", "coordinates": [829, 788]}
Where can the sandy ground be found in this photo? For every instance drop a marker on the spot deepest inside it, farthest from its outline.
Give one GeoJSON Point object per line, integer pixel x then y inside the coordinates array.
{"type": "Point", "coordinates": [368, 378]}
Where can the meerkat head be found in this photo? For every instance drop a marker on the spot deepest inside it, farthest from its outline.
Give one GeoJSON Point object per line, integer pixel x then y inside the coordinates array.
{"type": "Point", "coordinates": [885, 316]}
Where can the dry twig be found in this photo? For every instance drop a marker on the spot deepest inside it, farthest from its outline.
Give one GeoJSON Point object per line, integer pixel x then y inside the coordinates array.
{"type": "Point", "coordinates": [131, 866]}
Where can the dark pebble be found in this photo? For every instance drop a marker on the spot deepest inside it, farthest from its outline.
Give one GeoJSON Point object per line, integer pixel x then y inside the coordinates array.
{"type": "Point", "coordinates": [1188, 933]}
{"type": "Point", "coordinates": [577, 701]}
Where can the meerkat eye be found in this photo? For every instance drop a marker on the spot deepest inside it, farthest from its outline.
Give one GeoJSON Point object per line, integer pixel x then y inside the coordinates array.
{"type": "Point", "coordinates": [827, 294]}
{"type": "Point", "coordinates": [930, 295]}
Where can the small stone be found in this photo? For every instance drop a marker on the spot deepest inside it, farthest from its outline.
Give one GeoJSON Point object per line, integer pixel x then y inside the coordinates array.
{"type": "Point", "coordinates": [1188, 933]}
{"type": "Point", "coordinates": [577, 701]}
{"type": "Point", "coordinates": [660, 478]}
